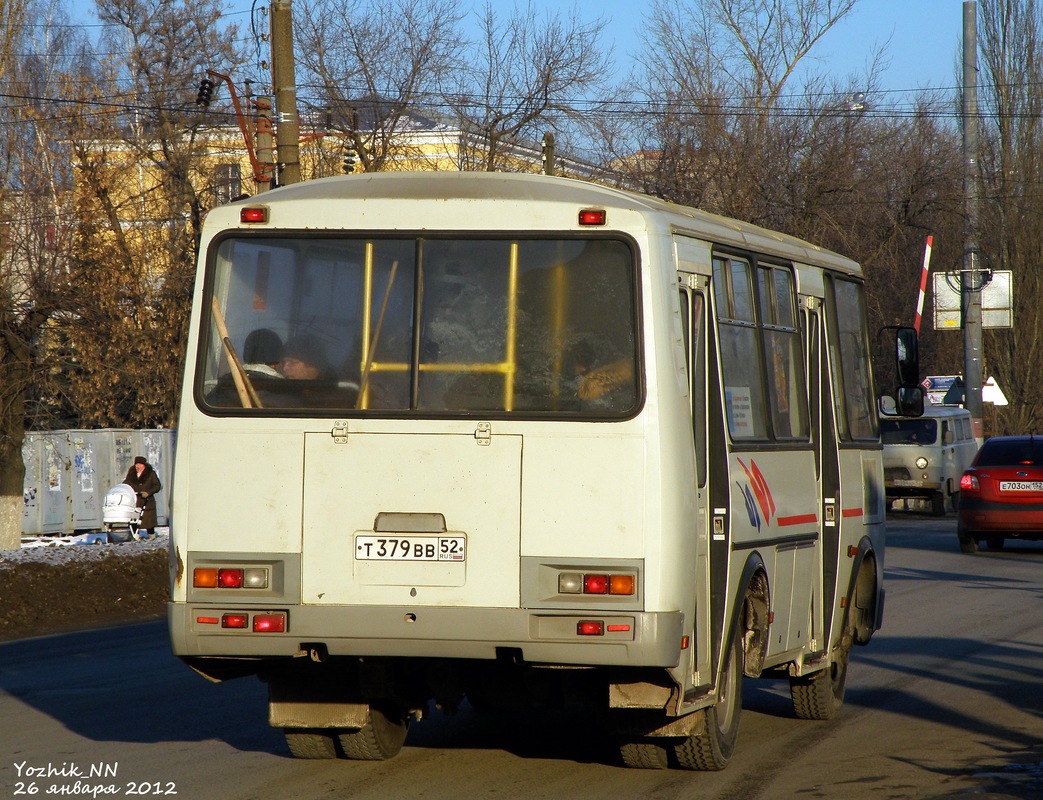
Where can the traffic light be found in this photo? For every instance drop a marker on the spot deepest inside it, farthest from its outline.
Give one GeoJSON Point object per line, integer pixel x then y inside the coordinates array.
{"type": "Point", "coordinates": [206, 92]}
{"type": "Point", "coordinates": [349, 160]}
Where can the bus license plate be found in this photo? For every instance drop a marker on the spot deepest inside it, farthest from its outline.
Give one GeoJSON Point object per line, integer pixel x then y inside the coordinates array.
{"type": "Point", "coordinates": [410, 548]}
{"type": "Point", "coordinates": [1021, 486]}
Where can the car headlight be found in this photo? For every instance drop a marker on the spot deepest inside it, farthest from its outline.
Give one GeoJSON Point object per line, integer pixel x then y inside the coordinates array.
{"type": "Point", "coordinates": [921, 463]}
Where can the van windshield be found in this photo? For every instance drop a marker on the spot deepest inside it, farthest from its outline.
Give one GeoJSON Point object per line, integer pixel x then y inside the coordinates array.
{"type": "Point", "coordinates": [909, 431]}
{"type": "Point", "coordinates": [419, 325]}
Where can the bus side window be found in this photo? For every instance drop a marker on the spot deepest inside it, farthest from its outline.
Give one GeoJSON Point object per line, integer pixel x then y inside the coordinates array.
{"type": "Point", "coordinates": [745, 395]}
{"type": "Point", "coordinates": [692, 328]}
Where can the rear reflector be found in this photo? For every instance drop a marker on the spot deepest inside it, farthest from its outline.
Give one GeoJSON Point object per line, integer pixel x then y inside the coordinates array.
{"type": "Point", "coordinates": [590, 627]}
{"type": "Point", "coordinates": [235, 621]}
{"type": "Point", "coordinates": [269, 623]}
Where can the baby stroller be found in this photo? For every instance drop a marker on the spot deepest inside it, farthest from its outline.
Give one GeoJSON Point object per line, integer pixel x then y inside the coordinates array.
{"type": "Point", "coordinates": [120, 513]}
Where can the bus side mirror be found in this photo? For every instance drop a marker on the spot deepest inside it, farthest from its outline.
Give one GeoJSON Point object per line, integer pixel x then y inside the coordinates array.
{"type": "Point", "coordinates": [909, 401]}
{"type": "Point", "coordinates": [907, 357]}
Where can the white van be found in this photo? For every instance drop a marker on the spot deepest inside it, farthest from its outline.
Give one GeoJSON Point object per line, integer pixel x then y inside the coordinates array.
{"type": "Point", "coordinates": [924, 457]}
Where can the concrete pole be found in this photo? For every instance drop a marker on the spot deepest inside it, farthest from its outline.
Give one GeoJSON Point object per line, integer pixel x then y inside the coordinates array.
{"type": "Point", "coordinates": [287, 126]}
{"type": "Point", "coordinates": [972, 275]}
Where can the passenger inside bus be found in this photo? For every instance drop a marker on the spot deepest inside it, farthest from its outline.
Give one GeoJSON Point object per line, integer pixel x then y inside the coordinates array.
{"type": "Point", "coordinates": [304, 359]}
{"type": "Point", "coordinates": [262, 352]}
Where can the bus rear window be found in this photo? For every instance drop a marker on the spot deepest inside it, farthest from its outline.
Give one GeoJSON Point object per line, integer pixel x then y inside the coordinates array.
{"type": "Point", "coordinates": [424, 326]}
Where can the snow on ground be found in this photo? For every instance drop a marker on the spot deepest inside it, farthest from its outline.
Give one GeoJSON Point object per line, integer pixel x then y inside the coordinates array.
{"type": "Point", "coordinates": [80, 548]}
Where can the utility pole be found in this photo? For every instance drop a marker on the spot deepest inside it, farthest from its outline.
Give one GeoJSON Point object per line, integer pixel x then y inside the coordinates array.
{"type": "Point", "coordinates": [288, 126]}
{"type": "Point", "coordinates": [972, 276]}
{"type": "Point", "coordinates": [548, 153]}
{"type": "Point", "coordinates": [265, 146]}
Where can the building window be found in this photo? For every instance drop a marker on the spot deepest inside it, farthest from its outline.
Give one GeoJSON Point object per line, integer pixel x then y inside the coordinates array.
{"type": "Point", "coordinates": [228, 183]}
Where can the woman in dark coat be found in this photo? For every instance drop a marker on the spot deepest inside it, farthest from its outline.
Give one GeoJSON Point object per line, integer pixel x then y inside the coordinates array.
{"type": "Point", "coordinates": [145, 483]}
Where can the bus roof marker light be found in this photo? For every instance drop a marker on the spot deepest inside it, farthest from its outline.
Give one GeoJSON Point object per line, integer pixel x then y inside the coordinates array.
{"type": "Point", "coordinates": [593, 216]}
{"type": "Point", "coordinates": [253, 215]}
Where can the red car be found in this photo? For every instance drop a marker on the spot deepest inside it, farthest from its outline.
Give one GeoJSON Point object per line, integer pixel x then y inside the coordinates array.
{"type": "Point", "coordinates": [1001, 493]}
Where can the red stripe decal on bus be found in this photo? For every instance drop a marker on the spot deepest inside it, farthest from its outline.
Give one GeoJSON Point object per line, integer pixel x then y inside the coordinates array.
{"type": "Point", "coordinates": [851, 512]}
{"type": "Point", "coordinates": [797, 519]}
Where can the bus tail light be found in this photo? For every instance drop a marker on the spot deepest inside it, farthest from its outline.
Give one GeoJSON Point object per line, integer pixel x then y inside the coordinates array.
{"type": "Point", "coordinates": [590, 627]}
{"type": "Point", "coordinates": [597, 583]}
{"type": "Point", "coordinates": [230, 578]}
{"type": "Point", "coordinates": [235, 620]}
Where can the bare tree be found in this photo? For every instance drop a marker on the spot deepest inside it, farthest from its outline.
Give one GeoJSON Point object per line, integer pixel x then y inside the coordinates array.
{"type": "Point", "coordinates": [377, 67]}
{"type": "Point", "coordinates": [34, 205]}
{"type": "Point", "coordinates": [1010, 34]}
{"type": "Point", "coordinates": [525, 74]}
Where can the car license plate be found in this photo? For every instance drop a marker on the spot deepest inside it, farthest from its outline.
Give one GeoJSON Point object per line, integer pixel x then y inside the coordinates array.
{"type": "Point", "coordinates": [1021, 486]}
{"type": "Point", "coordinates": [410, 548]}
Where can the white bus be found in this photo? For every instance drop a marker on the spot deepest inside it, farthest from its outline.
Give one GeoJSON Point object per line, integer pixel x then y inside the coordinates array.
{"type": "Point", "coordinates": [513, 438]}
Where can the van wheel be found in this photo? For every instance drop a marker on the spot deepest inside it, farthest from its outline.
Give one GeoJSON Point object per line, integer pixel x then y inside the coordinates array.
{"type": "Point", "coordinates": [712, 746]}
{"type": "Point", "coordinates": [310, 744]}
{"type": "Point", "coordinates": [938, 504]}
{"type": "Point", "coordinates": [821, 695]}
{"type": "Point", "coordinates": [382, 737]}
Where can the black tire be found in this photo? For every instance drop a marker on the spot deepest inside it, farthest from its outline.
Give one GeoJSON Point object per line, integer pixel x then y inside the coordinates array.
{"type": "Point", "coordinates": [821, 695]}
{"type": "Point", "coordinates": [644, 755]}
{"type": "Point", "coordinates": [938, 504]}
{"type": "Point", "coordinates": [968, 544]}
{"type": "Point", "coordinates": [994, 542]}
{"type": "Point", "coordinates": [305, 743]}
{"type": "Point", "coordinates": [381, 738]}
{"type": "Point", "coordinates": [712, 747]}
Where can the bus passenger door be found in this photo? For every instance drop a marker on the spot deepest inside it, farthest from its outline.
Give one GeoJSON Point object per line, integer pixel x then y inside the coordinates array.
{"type": "Point", "coordinates": [827, 465]}
{"type": "Point", "coordinates": [711, 490]}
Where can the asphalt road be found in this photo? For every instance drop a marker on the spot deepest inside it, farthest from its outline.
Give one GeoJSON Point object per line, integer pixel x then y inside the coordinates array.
{"type": "Point", "coordinates": [945, 702]}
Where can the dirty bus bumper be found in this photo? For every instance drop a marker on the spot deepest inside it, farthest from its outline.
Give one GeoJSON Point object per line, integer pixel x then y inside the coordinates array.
{"type": "Point", "coordinates": [627, 639]}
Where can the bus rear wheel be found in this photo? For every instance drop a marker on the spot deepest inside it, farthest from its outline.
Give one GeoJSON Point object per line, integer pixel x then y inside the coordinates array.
{"type": "Point", "coordinates": [380, 738]}
{"type": "Point", "coordinates": [712, 746]}
{"type": "Point", "coordinates": [820, 695]}
{"type": "Point", "coordinates": [644, 755]}
{"type": "Point", "coordinates": [305, 743]}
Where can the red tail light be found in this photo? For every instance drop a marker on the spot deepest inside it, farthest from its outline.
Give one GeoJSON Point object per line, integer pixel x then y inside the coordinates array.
{"type": "Point", "coordinates": [590, 627]}
{"type": "Point", "coordinates": [969, 483]}
{"type": "Point", "coordinates": [230, 578]}
{"type": "Point", "coordinates": [595, 584]}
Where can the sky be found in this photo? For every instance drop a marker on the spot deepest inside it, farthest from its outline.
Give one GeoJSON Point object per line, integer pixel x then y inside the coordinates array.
{"type": "Point", "coordinates": [923, 37]}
